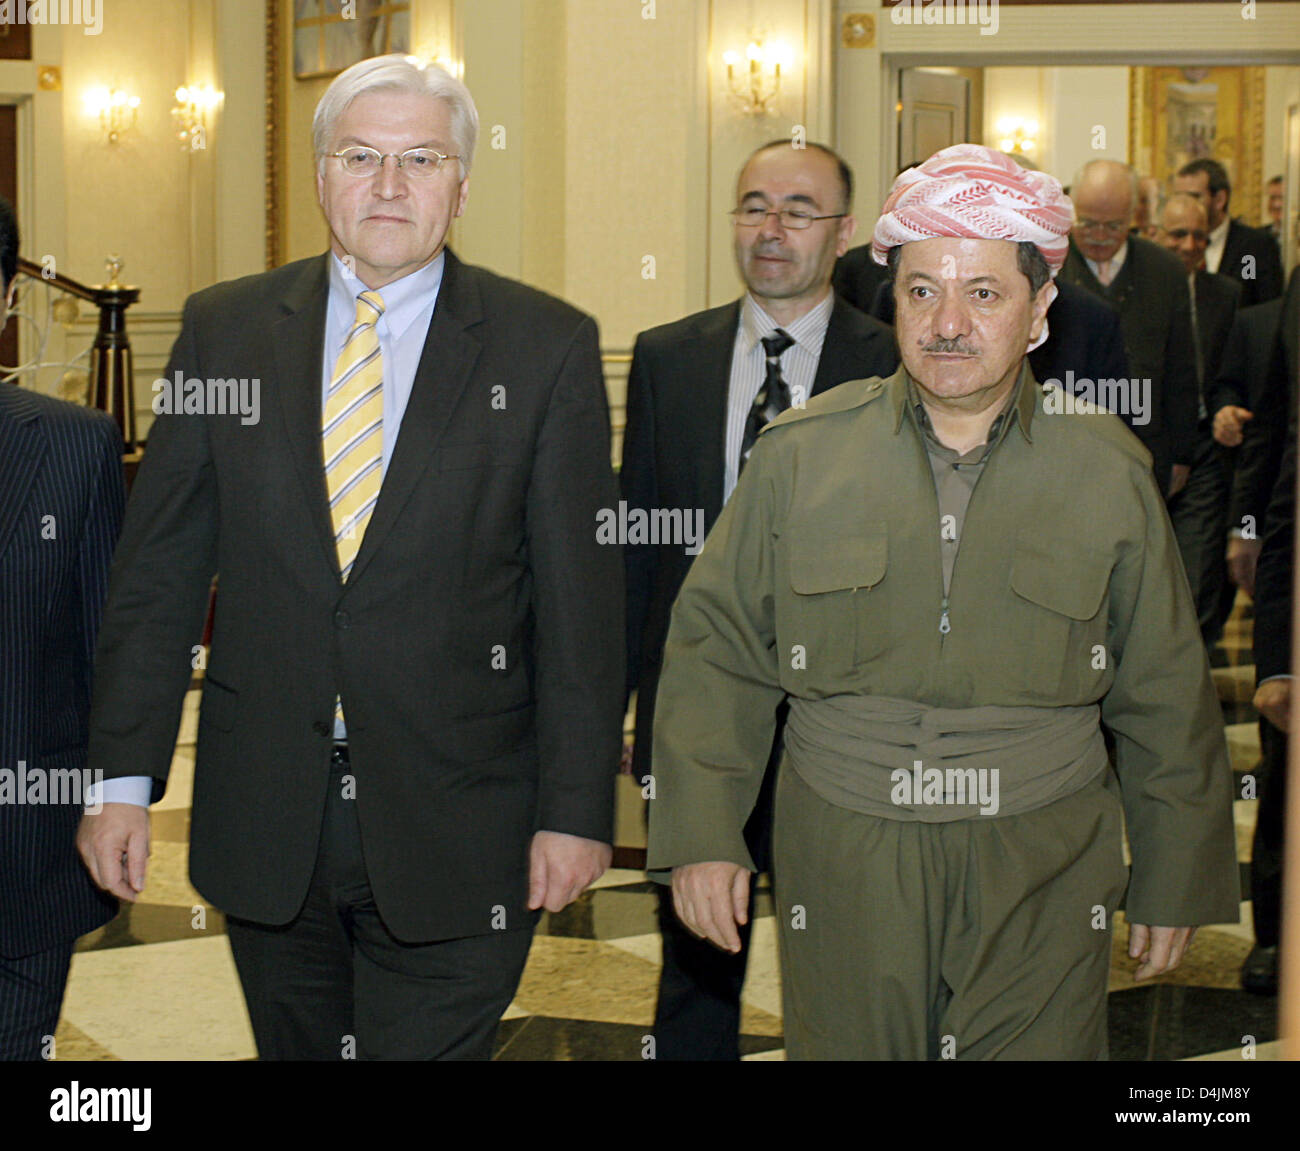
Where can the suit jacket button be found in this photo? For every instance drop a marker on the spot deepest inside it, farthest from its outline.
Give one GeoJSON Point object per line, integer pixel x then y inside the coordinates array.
{"type": "Point", "coordinates": [342, 620]}
{"type": "Point", "coordinates": [320, 727]}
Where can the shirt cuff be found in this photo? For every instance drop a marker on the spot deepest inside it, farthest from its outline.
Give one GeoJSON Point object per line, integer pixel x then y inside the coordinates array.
{"type": "Point", "coordinates": [134, 789]}
{"type": "Point", "coordinates": [1280, 675]}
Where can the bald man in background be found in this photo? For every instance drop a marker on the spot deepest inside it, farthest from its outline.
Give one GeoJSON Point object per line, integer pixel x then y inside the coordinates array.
{"type": "Point", "coordinates": [1200, 511]}
{"type": "Point", "coordinates": [1148, 287]}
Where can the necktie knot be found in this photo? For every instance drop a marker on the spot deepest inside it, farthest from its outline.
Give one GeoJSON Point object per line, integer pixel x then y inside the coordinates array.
{"type": "Point", "coordinates": [777, 343]}
{"type": "Point", "coordinates": [370, 306]}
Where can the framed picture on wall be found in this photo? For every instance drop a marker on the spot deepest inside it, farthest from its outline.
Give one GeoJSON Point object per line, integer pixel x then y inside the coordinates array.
{"type": "Point", "coordinates": [330, 35]}
{"type": "Point", "coordinates": [1183, 114]}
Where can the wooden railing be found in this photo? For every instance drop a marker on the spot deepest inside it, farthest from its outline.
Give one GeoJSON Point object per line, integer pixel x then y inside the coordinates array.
{"type": "Point", "coordinates": [110, 355]}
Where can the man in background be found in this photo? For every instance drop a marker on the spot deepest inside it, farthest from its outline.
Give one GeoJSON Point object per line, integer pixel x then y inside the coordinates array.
{"type": "Point", "coordinates": [1234, 248]}
{"type": "Point", "coordinates": [699, 392]}
{"type": "Point", "coordinates": [1200, 511]}
{"type": "Point", "coordinates": [61, 497]}
{"type": "Point", "coordinates": [1147, 285]}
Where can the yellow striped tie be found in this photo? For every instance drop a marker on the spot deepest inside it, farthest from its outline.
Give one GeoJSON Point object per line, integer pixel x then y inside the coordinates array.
{"type": "Point", "coordinates": [353, 434]}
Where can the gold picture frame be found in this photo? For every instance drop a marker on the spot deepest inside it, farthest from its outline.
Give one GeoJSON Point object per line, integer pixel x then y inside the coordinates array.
{"type": "Point", "coordinates": [1178, 114]}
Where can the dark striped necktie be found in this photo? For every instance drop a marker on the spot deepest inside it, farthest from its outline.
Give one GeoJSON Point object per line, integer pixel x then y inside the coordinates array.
{"type": "Point", "coordinates": [773, 397]}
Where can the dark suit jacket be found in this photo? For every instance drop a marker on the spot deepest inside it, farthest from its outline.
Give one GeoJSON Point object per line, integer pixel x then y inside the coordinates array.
{"type": "Point", "coordinates": [1273, 576]}
{"type": "Point", "coordinates": [1248, 357]}
{"type": "Point", "coordinates": [1259, 458]}
{"type": "Point", "coordinates": [857, 278]}
{"type": "Point", "coordinates": [482, 544]}
{"type": "Point", "coordinates": [1266, 263]}
{"type": "Point", "coordinates": [673, 457]}
{"type": "Point", "coordinates": [1154, 305]}
{"type": "Point", "coordinates": [61, 496]}
{"type": "Point", "coordinates": [1217, 300]}
{"type": "Point", "coordinates": [1084, 336]}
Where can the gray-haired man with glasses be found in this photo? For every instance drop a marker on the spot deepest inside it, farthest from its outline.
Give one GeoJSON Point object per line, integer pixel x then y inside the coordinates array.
{"type": "Point", "coordinates": [412, 707]}
{"type": "Point", "coordinates": [700, 391]}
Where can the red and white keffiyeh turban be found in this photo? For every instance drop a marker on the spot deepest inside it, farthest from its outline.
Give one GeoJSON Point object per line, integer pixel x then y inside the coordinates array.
{"type": "Point", "coordinates": [975, 193]}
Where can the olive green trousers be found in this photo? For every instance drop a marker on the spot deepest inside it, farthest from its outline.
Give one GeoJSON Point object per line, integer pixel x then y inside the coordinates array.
{"type": "Point", "coordinates": [984, 938]}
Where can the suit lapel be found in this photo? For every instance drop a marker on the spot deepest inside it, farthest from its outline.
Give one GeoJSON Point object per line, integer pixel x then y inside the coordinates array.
{"type": "Point", "coordinates": [709, 378]}
{"type": "Point", "coordinates": [450, 352]}
{"type": "Point", "coordinates": [298, 340]}
{"type": "Point", "coordinates": [22, 451]}
{"type": "Point", "coordinates": [842, 356]}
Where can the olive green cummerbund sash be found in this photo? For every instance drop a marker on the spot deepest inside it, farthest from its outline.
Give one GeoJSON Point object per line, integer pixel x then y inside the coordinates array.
{"type": "Point", "coordinates": [909, 761]}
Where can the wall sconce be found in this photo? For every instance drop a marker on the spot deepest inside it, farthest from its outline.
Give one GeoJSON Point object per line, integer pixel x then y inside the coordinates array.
{"type": "Point", "coordinates": [756, 84]}
{"type": "Point", "coordinates": [190, 115]}
{"type": "Point", "coordinates": [116, 111]}
{"type": "Point", "coordinates": [1019, 137]}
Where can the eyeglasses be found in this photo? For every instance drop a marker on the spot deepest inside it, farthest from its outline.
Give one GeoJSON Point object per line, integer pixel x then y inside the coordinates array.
{"type": "Point", "coordinates": [791, 218]}
{"type": "Point", "coordinates": [1110, 227]}
{"type": "Point", "coordinates": [419, 162]}
{"type": "Point", "coordinates": [1183, 233]}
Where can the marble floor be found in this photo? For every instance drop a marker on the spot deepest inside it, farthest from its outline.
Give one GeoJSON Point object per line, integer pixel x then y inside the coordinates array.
{"type": "Point", "coordinates": [588, 992]}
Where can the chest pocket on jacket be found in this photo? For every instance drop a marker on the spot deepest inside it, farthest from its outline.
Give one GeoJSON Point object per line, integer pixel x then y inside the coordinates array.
{"type": "Point", "coordinates": [1059, 617]}
{"type": "Point", "coordinates": [836, 617]}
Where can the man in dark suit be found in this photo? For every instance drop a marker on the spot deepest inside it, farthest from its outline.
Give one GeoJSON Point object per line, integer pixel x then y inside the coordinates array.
{"type": "Point", "coordinates": [1266, 479]}
{"type": "Point", "coordinates": [1249, 255]}
{"type": "Point", "coordinates": [1200, 511]}
{"type": "Point", "coordinates": [412, 709]}
{"type": "Point", "coordinates": [1260, 369]}
{"type": "Point", "coordinates": [1148, 287]}
{"type": "Point", "coordinates": [61, 497]}
{"type": "Point", "coordinates": [699, 391]}
{"type": "Point", "coordinates": [1273, 672]}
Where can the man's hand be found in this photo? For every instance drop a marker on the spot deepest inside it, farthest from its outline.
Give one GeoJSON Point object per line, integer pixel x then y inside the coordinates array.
{"type": "Point", "coordinates": [1178, 480]}
{"type": "Point", "coordinates": [1243, 555]}
{"type": "Point", "coordinates": [711, 899]}
{"type": "Point", "coordinates": [1273, 702]}
{"type": "Point", "coordinates": [1229, 421]}
{"type": "Point", "coordinates": [114, 846]}
{"type": "Point", "coordinates": [561, 867]}
{"type": "Point", "coordinates": [1159, 949]}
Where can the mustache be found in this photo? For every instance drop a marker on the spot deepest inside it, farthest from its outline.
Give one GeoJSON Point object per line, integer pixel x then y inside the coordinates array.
{"type": "Point", "coordinates": [954, 347]}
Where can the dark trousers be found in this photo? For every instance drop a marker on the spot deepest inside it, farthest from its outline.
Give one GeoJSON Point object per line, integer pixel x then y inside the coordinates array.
{"type": "Point", "coordinates": [697, 1015]}
{"type": "Point", "coordinates": [1268, 846]}
{"type": "Point", "coordinates": [31, 993]}
{"type": "Point", "coordinates": [1200, 518]}
{"type": "Point", "coordinates": [335, 983]}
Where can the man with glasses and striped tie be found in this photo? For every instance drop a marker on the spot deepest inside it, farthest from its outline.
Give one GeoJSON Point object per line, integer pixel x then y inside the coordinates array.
{"type": "Point", "coordinates": [412, 708]}
{"type": "Point", "coordinates": [699, 392]}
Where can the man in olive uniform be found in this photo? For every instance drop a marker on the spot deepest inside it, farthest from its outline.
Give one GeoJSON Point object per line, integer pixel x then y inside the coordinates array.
{"type": "Point", "coordinates": [954, 576]}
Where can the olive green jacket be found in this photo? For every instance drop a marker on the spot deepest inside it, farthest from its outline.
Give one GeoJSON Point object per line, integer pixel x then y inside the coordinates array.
{"type": "Point", "coordinates": [823, 576]}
